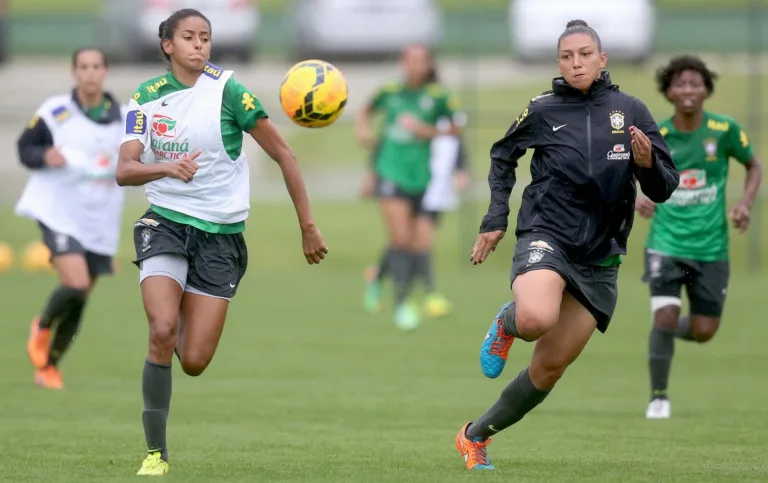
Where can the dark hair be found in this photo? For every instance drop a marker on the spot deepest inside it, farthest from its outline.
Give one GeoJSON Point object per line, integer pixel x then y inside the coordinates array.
{"type": "Point", "coordinates": [579, 27]}
{"type": "Point", "coordinates": [79, 51]}
{"type": "Point", "coordinates": [168, 26]}
{"type": "Point", "coordinates": [432, 75]}
{"type": "Point", "coordinates": [668, 73]}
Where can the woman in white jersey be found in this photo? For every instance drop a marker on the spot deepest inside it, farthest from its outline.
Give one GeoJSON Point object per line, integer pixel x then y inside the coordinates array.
{"type": "Point", "coordinates": [184, 142]}
{"type": "Point", "coordinates": [71, 147]}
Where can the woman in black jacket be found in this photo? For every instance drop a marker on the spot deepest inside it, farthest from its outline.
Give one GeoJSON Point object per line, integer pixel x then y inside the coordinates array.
{"type": "Point", "coordinates": [591, 142]}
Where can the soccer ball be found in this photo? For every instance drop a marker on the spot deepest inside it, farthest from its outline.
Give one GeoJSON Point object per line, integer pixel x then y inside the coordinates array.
{"type": "Point", "coordinates": [313, 93]}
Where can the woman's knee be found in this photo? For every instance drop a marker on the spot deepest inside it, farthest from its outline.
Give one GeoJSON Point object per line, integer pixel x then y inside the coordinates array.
{"type": "Point", "coordinates": [162, 333]}
{"type": "Point", "coordinates": [532, 321]}
{"type": "Point", "coordinates": [194, 363]}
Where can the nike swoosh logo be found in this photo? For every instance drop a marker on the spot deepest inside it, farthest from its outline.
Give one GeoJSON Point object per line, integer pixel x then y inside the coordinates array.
{"type": "Point", "coordinates": [165, 103]}
{"type": "Point", "coordinates": [232, 286]}
{"type": "Point", "coordinates": [490, 426]}
{"type": "Point", "coordinates": [557, 128]}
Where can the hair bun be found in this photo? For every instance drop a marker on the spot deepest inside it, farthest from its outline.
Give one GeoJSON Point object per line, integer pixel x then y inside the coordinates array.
{"type": "Point", "coordinates": [576, 23]}
{"type": "Point", "coordinates": [162, 28]}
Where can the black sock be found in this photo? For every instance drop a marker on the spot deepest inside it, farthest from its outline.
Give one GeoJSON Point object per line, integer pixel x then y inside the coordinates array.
{"type": "Point", "coordinates": [683, 330]}
{"type": "Point", "coordinates": [67, 329]}
{"type": "Point", "coordinates": [58, 303]}
{"type": "Point", "coordinates": [517, 400]}
{"type": "Point", "coordinates": [401, 264]}
{"type": "Point", "coordinates": [423, 269]}
{"type": "Point", "coordinates": [384, 266]}
{"type": "Point", "coordinates": [156, 389]}
{"type": "Point", "coordinates": [661, 349]}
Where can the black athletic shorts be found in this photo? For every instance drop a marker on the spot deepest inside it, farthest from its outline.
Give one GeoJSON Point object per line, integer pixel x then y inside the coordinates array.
{"type": "Point", "coordinates": [388, 189]}
{"type": "Point", "coordinates": [217, 262]}
{"type": "Point", "coordinates": [61, 244]}
{"type": "Point", "coordinates": [593, 287]}
{"type": "Point", "coordinates": [705, 282]}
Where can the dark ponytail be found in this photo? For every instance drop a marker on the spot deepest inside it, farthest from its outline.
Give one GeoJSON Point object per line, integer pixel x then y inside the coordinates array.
{"type": "Point", "coordinates": [168, 27]}
{"type": "Point", "coordinates": [432, 76]}
{"type": "Point", "coordinates": [580, 27]}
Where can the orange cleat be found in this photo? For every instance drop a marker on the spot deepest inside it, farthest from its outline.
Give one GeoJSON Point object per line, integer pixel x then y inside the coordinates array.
{"type": "Point", "coordinates": [38, 345]}
{"type": "Point", "coordinates": [474, 452]}
{"type": "Point", "coordinates": [49, 378]}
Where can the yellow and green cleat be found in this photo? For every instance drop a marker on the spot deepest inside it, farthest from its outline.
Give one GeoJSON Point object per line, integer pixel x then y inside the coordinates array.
{"type": "Point", "coordinates": [436, 305]}
{"type": "Point", "coordinates": [153, 465]}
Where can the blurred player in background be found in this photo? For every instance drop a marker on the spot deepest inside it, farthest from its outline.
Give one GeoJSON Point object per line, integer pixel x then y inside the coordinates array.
{"type": "Point", "coordinates": [401, 175]}
{"type": "Point", "coordinates": [449, 178]}
{"type": "Point", "coordinates": [71, 146]}
{"type": "Point", "coordinates": [687, 244]}
{"type": "Point", "coordinates": [184, 141]}
{"type": "Point", "coordinates": [572, 226]}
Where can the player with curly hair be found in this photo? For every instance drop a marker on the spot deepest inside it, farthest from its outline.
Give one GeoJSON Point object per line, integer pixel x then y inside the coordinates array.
{"type": "Point", "coordinates": [687, 244]}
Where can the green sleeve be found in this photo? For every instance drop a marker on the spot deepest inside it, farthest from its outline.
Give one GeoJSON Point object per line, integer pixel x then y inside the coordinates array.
{"type": "Point", "coordinates": [244, 107]}
{"type": "Point", "coordinates": [378, 100]}
{"type": "Point", "coordinates": [738, 144]}
{"type": "Point", "coordinates": [447, 105]}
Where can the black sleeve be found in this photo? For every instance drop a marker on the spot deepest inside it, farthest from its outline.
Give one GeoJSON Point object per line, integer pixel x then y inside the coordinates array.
{"type": "Point", "coordinates": [661, 179]}
{"type": "Point", "coordinates": [33, 143]}
{"type": "Point", "coordinates": [504, 156]}
{"type": "Point", "coordinates": [461, 157]}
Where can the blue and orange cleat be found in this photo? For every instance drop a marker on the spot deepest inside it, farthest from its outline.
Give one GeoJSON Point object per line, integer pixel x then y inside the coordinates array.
{"type": "Point", "coordinates": [495, 348]}
{"type": "Point", "coordinates": [474, 452]}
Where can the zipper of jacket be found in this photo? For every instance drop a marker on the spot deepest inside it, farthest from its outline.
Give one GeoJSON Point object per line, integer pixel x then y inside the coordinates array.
{"type": "Point", "coordinates": [589, 141]}
{"type": "Point", "coordinates": [589, 163]}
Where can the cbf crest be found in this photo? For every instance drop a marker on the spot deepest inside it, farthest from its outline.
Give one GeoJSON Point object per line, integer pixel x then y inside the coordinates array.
{"type": "Point", "coordinates": [617, 122]}
{"type": "Point", "coordinates": [710, 147]}
{"type": "Point", "coordinates": [146, 234]}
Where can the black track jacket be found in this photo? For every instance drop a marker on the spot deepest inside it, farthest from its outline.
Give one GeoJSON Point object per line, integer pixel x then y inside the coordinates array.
{"type": "Point", "coordinates": [582, 191]}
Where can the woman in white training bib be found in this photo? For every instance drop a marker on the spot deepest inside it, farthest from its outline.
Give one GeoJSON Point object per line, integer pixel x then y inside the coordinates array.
{"type": "Point", "coordinates": [184, 142]}
{"type": "Point", "coordinates": [71, 147]}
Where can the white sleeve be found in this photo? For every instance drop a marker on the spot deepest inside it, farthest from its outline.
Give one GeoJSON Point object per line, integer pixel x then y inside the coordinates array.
{"type": "Point", "coordinates": [136, 125]}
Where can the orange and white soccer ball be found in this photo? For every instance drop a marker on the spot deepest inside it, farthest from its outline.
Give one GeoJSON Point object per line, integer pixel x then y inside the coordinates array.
{"type": "Point", "coordinates": [313, 93]}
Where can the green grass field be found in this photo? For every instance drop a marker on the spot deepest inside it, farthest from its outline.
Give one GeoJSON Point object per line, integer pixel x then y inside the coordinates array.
{"type": "Point", "coordinates": [307, 387]}
{"type": "Point", "coordinates": [27, 6]}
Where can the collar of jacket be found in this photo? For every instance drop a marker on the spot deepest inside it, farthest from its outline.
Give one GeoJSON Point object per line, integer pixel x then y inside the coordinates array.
{"type": "Point", "coordinates": [111, 114]}
{"type": "Point", "coordinates": [598, 88]}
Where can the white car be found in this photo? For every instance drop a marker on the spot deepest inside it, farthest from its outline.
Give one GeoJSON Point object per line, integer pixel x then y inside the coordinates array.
{"type": "Point", "coordinates": [626, 27]}
{"type": "Point", "coordinates": [362, 27]}
{"type": "Point", "coordinates": [131, 27]}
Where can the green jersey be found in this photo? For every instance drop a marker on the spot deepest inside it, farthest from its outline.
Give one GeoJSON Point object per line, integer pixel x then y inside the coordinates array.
{"type": "Point", "coordinates": [403, 158]}
{"type": "Point", "coordinates": [693, 222]}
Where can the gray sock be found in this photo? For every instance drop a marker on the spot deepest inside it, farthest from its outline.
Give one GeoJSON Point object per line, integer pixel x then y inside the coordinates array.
{"type": "Point", "coordinates": [508, 320]}
{"type": "Point", "coordinates": [423, 268]}
{"type": "Point", "coordinates": [384, 265]}
{"type": "Point", "coordinates": [401, 265]}
{"type": "Point", "coordinates": [517, 400]}
{"type": "Point", "coordinates": [661, 349]}
{"type": "Point", "coordinates": [683, 330]}
{"type": "Point", "coordinates": [156, 388]}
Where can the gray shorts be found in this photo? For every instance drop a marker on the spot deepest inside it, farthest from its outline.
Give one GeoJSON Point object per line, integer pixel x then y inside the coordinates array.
{"type": "Point", "coordinates": [61, 244]}
{"type": "Point", "coordinates": [202, 263]}
{"type": "Point", "coordinates": [593, 287]}
{"type": "Point", "coordinates": [705, 282]}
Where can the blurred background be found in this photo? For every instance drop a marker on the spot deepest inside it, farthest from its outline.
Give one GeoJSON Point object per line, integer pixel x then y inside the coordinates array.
{"type": "Point", "coordinates": [367, 381]}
